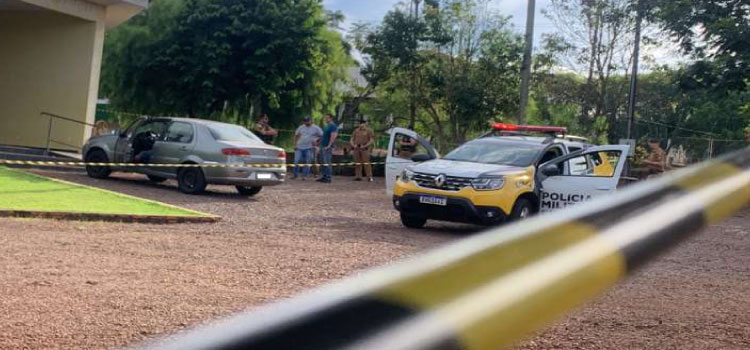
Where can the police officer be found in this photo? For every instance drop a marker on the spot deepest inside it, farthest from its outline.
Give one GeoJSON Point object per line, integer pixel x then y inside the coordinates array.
{"type": "Point", "coordinates": [264, 130]}
{"type": "Point", "coordinates": [361, 142]}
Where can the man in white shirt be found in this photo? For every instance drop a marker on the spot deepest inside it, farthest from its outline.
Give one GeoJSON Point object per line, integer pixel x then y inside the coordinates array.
{"type": "Point", "coordinates": [305, 140]}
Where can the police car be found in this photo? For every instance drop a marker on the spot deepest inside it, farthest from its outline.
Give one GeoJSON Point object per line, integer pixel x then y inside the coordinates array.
{"type": "Point", "coordinates": [507, 174]}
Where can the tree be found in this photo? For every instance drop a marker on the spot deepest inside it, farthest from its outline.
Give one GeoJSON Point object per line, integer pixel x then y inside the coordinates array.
{"type": "Point", "coordinates": [461, 71]}
{"type": "Point", "coordinates": [595, 43]}
{"type": "Point", "coordinates": [713, 31]}
{"type": "Point", "coordinates": [209, 58]}
{"type": "Point", "coordinates": [473, 73]}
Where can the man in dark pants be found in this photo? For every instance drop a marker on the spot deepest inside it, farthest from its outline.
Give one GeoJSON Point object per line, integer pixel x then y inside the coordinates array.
{"type": "Point", "coordinates": [327, 143]}
{"type": "Point", "coordinates": [361, 142]}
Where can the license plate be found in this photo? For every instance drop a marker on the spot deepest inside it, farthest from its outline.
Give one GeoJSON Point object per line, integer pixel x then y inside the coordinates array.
{"type": "Point", "coordinates": [264, 176]}
{"type": "Point", "coordinates": [432, 200]}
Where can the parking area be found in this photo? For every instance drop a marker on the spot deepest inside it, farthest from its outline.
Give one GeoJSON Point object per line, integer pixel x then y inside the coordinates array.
{"type": "Point", "coordinates": [93, 285]}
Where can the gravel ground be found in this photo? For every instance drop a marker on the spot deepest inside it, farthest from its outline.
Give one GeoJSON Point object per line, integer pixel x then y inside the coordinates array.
{"type": "Point", "coordinates": [99, 285]}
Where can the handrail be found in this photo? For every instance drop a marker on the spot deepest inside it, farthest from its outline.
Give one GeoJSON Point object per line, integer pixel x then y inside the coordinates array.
{"type": "Point", "coordinates": [489, 291]}
{"type": "Point", "coordinates": [52, 117]}
{"type": "Point", "coordinates": [66, 118]}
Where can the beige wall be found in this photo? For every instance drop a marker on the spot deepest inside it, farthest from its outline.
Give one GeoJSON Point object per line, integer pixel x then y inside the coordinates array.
{"type": "Point", "coordinates": [50, 59]}
{"type": "Point", "coordinates": [48, 62]}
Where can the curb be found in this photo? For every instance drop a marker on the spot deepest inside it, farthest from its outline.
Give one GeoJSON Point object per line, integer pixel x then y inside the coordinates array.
{"type": "Point", "coordinates": [124, 218]}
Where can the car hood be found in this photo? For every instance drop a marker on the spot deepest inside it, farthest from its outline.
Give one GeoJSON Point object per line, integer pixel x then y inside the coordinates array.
{"type": "Point", "coordinates": [464, 169]}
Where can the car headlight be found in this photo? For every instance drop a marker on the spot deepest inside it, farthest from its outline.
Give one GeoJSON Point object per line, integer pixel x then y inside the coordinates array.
{"type": "Point", "coordinates": [488, 183]}
{"type": "Point", "coordinates": [407, 175]}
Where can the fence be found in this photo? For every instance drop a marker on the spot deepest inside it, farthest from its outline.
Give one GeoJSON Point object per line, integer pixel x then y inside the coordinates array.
{"type": "Point", "coordinates": [698, 149]}
{"type": "Point", "coordinates": [489, 291]}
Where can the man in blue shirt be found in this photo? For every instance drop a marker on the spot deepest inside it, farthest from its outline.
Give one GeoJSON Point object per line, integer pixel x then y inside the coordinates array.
{"type": "Point", "coordinates": [327, 143]}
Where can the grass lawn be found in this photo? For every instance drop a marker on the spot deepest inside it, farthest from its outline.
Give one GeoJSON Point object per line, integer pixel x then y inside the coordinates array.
{"type": "Point", "coordinates": [29, 192]}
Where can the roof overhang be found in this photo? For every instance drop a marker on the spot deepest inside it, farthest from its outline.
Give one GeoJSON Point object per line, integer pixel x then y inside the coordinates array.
{"type": "Point", "coordinates": [110, 12]}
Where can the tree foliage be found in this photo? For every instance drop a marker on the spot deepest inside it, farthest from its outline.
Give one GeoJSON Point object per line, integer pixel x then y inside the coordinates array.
{"type": "Point", "coordinates": [594, 40]}
{"type": "Point", "coordinates": [209, 58]}
{"type": "Point", "coordinates": [715, 32]}
{"type": "Point", "coordinates": [458, 61]}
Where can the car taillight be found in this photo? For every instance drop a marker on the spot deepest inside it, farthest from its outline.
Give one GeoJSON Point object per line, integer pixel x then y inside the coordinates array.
{"type": "Point", "coordinates": [235, 152]}
{"type": "Point", "coordinates": [281, 155]}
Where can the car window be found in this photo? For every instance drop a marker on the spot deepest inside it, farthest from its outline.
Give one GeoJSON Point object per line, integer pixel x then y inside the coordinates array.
{"type": "Point", "coordinates": [229, 132]}
{"type": "Point", "coordinates": [180, 132]}
{"type": "Point", "coordinates": [495, 153]}
{"type": "Point", "coordinates": [406, 147]}
{"type": "Point", "coordinates": [551, 154]}
{"type": "Point", "coordinates": [158, 127]}
{"type": "Point", "coordinates": [579, 166]}
{"type": "Point", "coordinates": [600, 164]}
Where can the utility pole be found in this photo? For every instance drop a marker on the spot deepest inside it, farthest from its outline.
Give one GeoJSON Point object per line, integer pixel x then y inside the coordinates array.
{"type": "Point", "coordinates": [526, 65]}
{"type": "Point", "coordinates": [634, 77]}
{"type": "Point", "coordinates": [413, 102]}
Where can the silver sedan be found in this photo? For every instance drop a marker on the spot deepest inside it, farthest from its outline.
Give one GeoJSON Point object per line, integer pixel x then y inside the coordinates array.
{"type": "Point", "coordinates": [189, 141]}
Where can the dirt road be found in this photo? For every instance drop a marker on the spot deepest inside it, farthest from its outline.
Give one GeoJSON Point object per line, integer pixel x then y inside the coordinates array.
{"type": "Point", "coordinates": [98, 285]}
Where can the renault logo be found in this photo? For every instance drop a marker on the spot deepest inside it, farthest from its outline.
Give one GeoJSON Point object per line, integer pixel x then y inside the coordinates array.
{"type": "Point", "coordinates": [440, 180]}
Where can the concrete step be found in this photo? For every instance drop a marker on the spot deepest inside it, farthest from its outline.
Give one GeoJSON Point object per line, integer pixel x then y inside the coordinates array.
{"type": "Point", "coordinates": [33, 154]}
{"type": "Point", "coordinates": [21, 150]}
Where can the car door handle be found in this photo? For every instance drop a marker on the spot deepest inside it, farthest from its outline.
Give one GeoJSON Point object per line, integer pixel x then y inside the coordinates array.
{"type": "Point", "coordinates": [183, 148]}
{"type": "Point", "coordinates": [603, 188]}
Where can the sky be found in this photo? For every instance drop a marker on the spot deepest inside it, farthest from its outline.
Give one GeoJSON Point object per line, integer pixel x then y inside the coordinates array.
{"type": "Point", "coordinates": [373, 11]}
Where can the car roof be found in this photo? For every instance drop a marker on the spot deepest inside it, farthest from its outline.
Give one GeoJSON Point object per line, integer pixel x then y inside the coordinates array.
{"type": "Point", "coordinates": [192, 120]}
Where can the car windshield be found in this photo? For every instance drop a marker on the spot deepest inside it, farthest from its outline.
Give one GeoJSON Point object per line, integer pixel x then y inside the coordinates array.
{"type": "Point", "coordinates": [229, 132]}
{"type": "Point", "coordinates": [493, 152]}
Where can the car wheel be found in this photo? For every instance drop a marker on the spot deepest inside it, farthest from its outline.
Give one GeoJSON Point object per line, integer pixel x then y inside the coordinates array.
{"type": "Point", "coordinates": [522, 210]}
{"type": "Point", "coordinates": [156, 179]}
{"type": "Point", "coordinates": [97, 172]}
{"type": "Point", "coordinates": [413, 221]}
{"type": "Point", "coordinates": [249, 190]}
{"type": "Point", "coordinates": [191, 181]}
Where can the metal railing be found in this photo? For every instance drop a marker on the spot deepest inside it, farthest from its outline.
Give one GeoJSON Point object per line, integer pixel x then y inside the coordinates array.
{"type": "Point", "coordinates": [491, 290]}
{"type": "Point", "coordinates": [52, 118]}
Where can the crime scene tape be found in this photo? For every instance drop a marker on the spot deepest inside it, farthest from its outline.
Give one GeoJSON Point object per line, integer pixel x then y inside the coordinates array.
{"type": "Point", "coordinates": [201, 165]}
{"type": "Point", "coordinates": [491, 290]}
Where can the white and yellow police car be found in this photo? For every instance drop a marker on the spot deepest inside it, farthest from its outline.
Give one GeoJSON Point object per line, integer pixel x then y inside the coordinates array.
{"type": "Point", "coordinates": [508, 174]}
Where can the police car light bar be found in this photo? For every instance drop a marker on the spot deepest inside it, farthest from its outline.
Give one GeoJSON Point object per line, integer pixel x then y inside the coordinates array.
{"type": "Point", "coordinates": [530, 128]}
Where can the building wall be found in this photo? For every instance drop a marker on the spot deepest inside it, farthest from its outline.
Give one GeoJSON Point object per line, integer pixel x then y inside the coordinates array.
{"type": "Point", "coordinates": [49, 62]}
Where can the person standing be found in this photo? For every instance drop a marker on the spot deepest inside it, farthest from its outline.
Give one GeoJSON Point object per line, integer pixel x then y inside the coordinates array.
{"type": "Point", "coordinates": [305, 139]}
{"type": "Point", "coordinates": [361, 142]}
{"type": "Point", "coordinates": [264, 130]}
{"type": "Point", "coordinates": [327, 143]}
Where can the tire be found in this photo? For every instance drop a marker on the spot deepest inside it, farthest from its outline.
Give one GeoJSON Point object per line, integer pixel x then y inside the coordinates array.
{"type": "Point", "coordinates": [97, 172]}
{"type": "Point", "coordinates": [156, 179]}
{"type": "Point", "coordinates": [249, 190]}
{"type": "Point", "coordinates": [412, 221]}
{"type": "Point", "coordinates": [522, 210]}
{"type": "Point", "coordinates": [191, 181]}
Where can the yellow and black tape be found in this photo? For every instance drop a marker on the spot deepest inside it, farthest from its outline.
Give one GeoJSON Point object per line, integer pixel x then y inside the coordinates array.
{"type": "Point", "coordinates": [491, 290]}
{"type": "Point", "coordinates": [201, 165]}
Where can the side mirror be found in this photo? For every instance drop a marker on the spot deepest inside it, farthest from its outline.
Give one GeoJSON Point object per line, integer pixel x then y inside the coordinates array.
{"type": "Point", "coordinates": [419, 158]}
{"type": "Point", "coordinates": [551, 170]}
